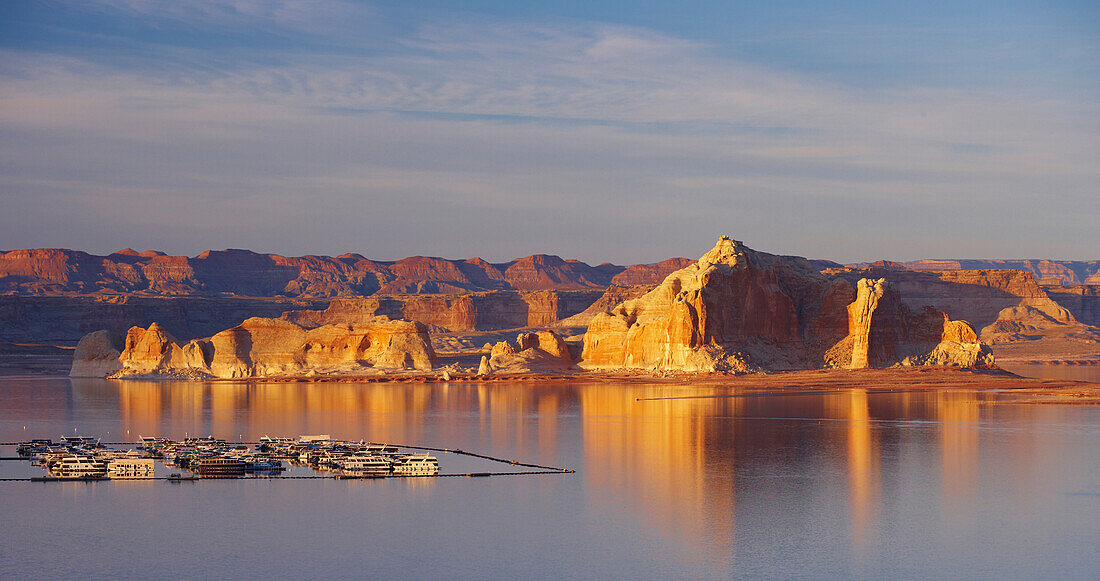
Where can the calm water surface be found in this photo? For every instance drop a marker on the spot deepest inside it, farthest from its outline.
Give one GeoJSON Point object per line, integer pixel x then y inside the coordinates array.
{"type": "Point", "coordinates": [839, 484]}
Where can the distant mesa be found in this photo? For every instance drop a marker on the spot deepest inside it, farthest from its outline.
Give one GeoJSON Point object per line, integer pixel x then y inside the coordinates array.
{"type": "Point", "coordinates": [245, 273]}
{"type": "Point", "coordinates": [1047, 272]}
{"type": "Point", "coordinates": [132, 252]}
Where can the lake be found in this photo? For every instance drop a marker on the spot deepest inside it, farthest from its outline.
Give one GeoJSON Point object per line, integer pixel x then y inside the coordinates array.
{"type": "Point", "coordinates": [851, 483]}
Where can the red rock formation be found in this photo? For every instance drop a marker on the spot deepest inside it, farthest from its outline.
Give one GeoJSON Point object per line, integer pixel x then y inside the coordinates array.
{"type": "Point", "coordinates": [65, 319]}
{"type": "Point", "coordinates": [246, 273]}
{"type": "Point", "coordinates": [649, 274]}
{"type": "Point", "coordinates": [732, 310]}
{"type": "Point", "coordinates": [1047, 271]}
{"type": "Point", "coordinates": [543, 271]}
{"type": "Point", "coordinates": [882, 331]}
{"type": "Point", "coordinates": [466, 312]}
{"type": "Point", "coordinates": [1082, 301]}
{"type": "Point", "coordinates": [738, 310]}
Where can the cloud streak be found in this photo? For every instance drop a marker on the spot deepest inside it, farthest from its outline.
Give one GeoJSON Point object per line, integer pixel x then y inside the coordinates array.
{"type": "Point", "coordinates": [504, 138]}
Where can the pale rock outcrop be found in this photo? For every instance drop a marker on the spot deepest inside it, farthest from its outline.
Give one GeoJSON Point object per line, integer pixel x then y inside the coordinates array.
{"type": "Point", "coordinates": [97, 355]}
{"type": "Point", "coordinates": [541, 352]}
{"type": "Point", "coordinates": [483, 368]}
{"type": "Point", "coordinates": [502, 348]}
{"type": "Point", "coordinates": [262, 347]}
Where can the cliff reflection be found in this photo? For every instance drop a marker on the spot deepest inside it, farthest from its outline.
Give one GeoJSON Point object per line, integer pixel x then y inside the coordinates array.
{"type": "Point", "coordinates": [694, 469]}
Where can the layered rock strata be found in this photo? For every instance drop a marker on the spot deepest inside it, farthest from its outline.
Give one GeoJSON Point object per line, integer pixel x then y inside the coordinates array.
{"type": "Point", "coordinates": [883, 331]}
{"type": "Point", "coordinates": [1058, 272]}
{"type": "Point", "coordinates": [457, 313]}
{"type": "Point", "coordinates": [261, 347]}
{"type": "Point", "coordinates": [740, 310]}
{"type": "Point", "coordinates": [247, 273]}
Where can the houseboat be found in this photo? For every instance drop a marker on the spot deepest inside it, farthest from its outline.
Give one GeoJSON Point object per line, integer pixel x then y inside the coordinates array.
{"type": "Point", "coordinates": [217, 467]}
{"type": "Point", "coordinates": [130, 467]}
{"type": "Point", "coordinates": [416, 465]}
{"type": "Point", "coordinates": [78, 467]}
{"type": "Point", "coordinates": [363, 465]}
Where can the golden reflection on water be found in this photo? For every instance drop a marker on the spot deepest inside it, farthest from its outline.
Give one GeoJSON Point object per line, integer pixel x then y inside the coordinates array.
{"type": "Point", "coordinates": [864, 480]}
{"type": "Point", "coordinates": [959, 415]}
{"type": "Point", "coordinates": [672, 463]}
{"type": "Point", "coordinates": [655, 455]}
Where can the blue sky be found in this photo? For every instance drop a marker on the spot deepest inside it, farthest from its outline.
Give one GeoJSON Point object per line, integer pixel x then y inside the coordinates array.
{"type": "Point", "coordinates": [621, 131]}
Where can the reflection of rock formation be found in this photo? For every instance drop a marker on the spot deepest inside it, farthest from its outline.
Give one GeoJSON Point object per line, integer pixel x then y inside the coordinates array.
{"type": "Point", "coordinates": [675, 458]}
{"type": "Point", "coordinates": [737, 309]}
{"type": "Point", "coordinates": [864, 476]}
{"type": "Point", "coordinates": [269, 347]}
{"type": "Point", "coordinates": [959, 417]}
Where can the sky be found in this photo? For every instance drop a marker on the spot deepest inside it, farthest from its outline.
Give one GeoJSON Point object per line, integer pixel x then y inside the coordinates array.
{"type": "Point", "coordinates": [599, 130]}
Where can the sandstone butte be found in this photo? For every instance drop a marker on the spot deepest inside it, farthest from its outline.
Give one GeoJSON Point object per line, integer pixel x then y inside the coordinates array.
{"type": "Point", "coordinates": [260, 347]}
{"type": "Point", "coordinates": [739, 310]}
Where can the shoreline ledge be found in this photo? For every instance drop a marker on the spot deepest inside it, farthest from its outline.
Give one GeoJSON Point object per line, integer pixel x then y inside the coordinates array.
{"type": "Point", "coordinates": [894, 379]}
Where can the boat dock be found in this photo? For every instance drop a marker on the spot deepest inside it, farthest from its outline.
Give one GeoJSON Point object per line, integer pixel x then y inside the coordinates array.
{"type": "Point", "coordinates": [86, 459]}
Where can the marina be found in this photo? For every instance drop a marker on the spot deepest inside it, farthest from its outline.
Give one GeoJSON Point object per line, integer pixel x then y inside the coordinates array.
{"type": "Point", "coordinates": [88, 459]}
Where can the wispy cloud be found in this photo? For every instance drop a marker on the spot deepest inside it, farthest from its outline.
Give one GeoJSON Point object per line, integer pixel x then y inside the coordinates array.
{"type": "Point", "coordinates": [474, 132]}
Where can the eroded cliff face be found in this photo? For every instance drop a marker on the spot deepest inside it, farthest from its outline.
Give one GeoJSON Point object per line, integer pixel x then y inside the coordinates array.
{"type": "Point", "coordinates": [734, 310]}
{"type": "Point", "coordinates": [883, 331]}
{"type": "Point", "coordinates": [265, 347]}
{"type": "Point", "coordinates": [740, 310]}
{"type": "Point", "coordinates": [1082, 301]}
{"type": "Point", "coordinates": [1008, 306]}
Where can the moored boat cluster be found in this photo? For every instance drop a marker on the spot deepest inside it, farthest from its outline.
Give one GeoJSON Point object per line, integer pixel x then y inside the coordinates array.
{"type": "Point", "coordinates": [84, 458]}
{"type": "Point", "coordinates": [350, 459]}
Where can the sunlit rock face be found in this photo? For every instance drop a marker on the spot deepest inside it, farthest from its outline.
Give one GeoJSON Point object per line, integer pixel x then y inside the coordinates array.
{"type": "Point", "coordinates": [541, 352]}
{"type": "Point", "coordinates": [262, 347]}
{"type": "Point", "coordinates": [740, 310]}
{"type": "Point", "coordinates": [883, 331]}
{"type": "Point", "coordinates": [735, 309]}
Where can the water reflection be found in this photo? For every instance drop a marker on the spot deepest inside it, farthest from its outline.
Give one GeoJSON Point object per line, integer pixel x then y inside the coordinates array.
{"type": "Point", "coordinates": [703, 475]}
